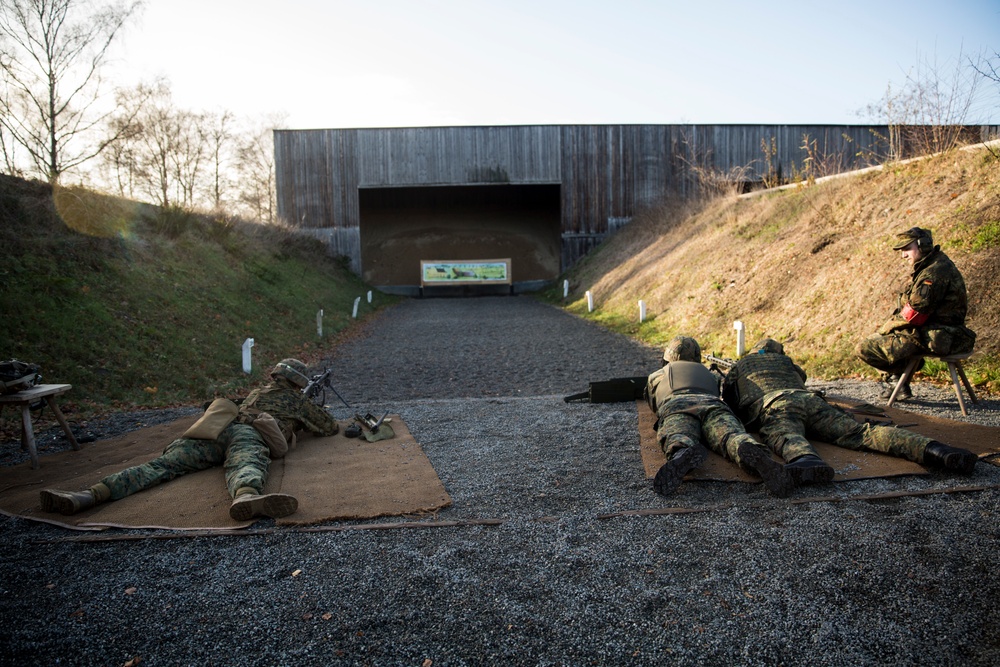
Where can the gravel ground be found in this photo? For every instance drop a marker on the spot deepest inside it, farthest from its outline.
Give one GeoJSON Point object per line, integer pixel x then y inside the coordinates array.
{"type": "Point", "coordinates": [747, 579]}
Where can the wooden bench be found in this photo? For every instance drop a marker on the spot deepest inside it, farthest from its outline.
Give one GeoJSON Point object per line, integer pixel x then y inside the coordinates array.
{"type": "Point", "coordinates": [954, 362]}
{"type": "Point", "coordinates": [25, 398]}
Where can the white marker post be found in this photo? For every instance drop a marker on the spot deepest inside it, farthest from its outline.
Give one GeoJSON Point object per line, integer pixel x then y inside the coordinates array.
{"type": "Point", "coordinates": [356, 302]}
{"type": "Point", "coordinates": [642, 311]}
{"type": "Point", "coordinates": [565, 288]}
{"type": "Point", "coordinates": [741, 341]}
{"type": "Point", "coordinates": [247, 344]}
{"type": "Point", "coordinates": [590, 302]}
{"type": "Point", "coordinates": [319, 323]}
{"type": "Point", "coordinates": [369, 296]}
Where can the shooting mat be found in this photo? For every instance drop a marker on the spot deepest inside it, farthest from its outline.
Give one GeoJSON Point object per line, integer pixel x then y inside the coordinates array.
{"type": "Point", "coordinates": [334, 478]}
{"type": "Point", "coordinates": [848, 464]}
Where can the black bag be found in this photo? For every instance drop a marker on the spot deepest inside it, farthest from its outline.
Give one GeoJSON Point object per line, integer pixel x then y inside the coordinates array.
{"type": "Point", "coordinates": [617, 390]}
{"type": "Point", "coordinates": [17, 375]}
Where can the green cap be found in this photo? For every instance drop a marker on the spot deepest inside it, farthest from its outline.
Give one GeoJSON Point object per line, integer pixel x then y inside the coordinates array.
{"type": "Point", "coordinates": [914, 234]}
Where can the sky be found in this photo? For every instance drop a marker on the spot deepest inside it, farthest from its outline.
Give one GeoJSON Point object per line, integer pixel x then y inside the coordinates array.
{"type": "Point", "coordinates": [417, 63]}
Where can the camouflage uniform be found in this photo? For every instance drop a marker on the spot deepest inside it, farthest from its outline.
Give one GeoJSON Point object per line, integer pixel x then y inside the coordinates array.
{"type": "Point", "coordinates": [937, 290]}
{"type": "Point", "coordinates": [239, 447]}
{"type": "Point", "coordinates": [689, 411]}
{"type": "Point", "coordinates": [767, 391]}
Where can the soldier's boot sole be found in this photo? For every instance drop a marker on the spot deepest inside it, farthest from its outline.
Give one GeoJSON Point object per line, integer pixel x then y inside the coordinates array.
{"type": "Point", "coordinates": [273, 505]}
{"type": "Point", "coordinates": [671, 474]}
{"type": "Point", "coordinates": [776, 479]}
{"type": "Point", "coordinates": [940, 455]}
{"type": "Point", "coordinates": [66, 502]}
{"type": "Point", "coordinates": [819, 473]}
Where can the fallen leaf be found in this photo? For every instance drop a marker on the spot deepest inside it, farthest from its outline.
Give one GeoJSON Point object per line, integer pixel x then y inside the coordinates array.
{"type": "Point", "coordinates": [133, 662]}
{"type": "Point", "coordinates": [130, 590]}
{"type": "Point", "coordinates": [296, 573]}
{"type": "Point", "coordinates": [327, 616]}
{"type": "Point", "coordinates": [427, 662]}
{"type": "Point", "coordinates": [306, 616]}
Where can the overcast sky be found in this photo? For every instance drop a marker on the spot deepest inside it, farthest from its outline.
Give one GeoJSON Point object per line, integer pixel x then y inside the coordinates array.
{"type": "Point", "coordinates": [401, 63]}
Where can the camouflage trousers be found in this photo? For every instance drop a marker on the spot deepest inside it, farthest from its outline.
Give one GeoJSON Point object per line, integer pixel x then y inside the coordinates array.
{"type": "Point", "coordinates": [787, 422]}
{"type": "Point", "coordinates": [688, 420]}
{"type": "Point", "coordinates": [890, 353]}
{"type": "Point", "coordinates": [239, 448]}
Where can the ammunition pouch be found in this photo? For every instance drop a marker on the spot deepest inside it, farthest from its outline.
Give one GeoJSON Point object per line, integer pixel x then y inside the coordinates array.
{"type": "Point", "coordinates": [270, 432]}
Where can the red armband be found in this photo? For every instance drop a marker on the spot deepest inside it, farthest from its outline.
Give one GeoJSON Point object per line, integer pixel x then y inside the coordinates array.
{"type": "Point", "coordinates": [912, 316]}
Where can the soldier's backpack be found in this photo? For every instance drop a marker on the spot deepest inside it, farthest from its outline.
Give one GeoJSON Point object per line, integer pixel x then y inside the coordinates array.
{"type": "Point", "coordinates": [17, 375]}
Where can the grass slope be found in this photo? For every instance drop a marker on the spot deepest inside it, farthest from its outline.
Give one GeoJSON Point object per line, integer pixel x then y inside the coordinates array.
{"type": "Point", "coordinates": [811, 266]}
{"type": "Point", "coordinates": [141, 307]}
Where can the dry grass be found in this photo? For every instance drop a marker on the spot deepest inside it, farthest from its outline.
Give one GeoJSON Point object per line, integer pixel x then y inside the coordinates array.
{"type": "Point", "coordinates": [810, 265]}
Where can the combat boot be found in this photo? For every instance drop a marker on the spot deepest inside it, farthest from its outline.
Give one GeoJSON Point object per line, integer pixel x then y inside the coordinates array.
{"type": "Point", "coordinates": [939, 455]}
{"type": "Point", "coordinates": [67, 502]}
{"type": "Point", "coordinates": [809, 469]}
{"type": "Point", "coordinates": [671, 473]}
{"type": "Point", "coordinates": [890, 385]}
{"type": "Point", "coordinates": [755, 458]}
{"type": "Point", "coordinates": [250, 504]}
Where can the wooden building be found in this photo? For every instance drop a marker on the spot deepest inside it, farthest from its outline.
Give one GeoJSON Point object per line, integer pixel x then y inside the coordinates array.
{"type": "Point", "coordinates": [540, 195]}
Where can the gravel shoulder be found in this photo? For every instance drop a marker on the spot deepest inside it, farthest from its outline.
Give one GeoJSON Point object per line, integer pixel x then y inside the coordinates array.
{"type": "Point", "coordinates": [737, 577]}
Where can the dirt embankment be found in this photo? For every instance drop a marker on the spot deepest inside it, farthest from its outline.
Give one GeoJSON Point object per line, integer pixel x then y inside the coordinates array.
{"type": "Point", "coordinates": [809, 265]}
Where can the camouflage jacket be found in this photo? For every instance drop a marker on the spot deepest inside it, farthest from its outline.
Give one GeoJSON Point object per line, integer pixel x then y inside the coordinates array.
{"type": "Point", "coordinates": [291, 408]}
{"type": "Point", "coordinates": [758, 376]}
{"type": "Point", "coordinates": [937, 290]}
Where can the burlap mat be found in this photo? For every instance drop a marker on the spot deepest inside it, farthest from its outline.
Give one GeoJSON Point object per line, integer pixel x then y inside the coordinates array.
{"type": "Point", "coordinates": [848, 464]}
{"type": "Point", "coordinates": [334, 478]}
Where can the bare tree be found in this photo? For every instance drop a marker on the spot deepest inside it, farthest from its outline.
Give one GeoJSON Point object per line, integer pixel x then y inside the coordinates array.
{"type": "Point", "coordinates": [219, 136]}
{"type": "Point", "coordinates": [988, 67]}
{"type": "Point", "coordinates": [51, 54]}
{"type": "Point", "coordinates": [189, 156]}
{"type": "Point", "coordinates": [119, 163]}
{"type": "Point", "coordinates": [929, 112]}
{"type": "Point", "coordinates": [255, 167]}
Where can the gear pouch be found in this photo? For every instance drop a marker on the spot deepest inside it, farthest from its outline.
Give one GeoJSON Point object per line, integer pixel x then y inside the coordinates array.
{"type": "Point", "coordinates": [217, 417]}
{"type": "Point", "coordinates": [270, 432]}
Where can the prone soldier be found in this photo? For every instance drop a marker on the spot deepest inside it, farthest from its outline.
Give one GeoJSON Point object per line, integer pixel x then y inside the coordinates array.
{"type": "Point", "coordinates": [767, 391]}
{"type": "Point", "coordinates": [690, 415]}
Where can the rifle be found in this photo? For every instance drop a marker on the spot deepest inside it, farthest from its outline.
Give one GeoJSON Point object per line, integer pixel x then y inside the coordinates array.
{"type": "Point", "coordinates": [718, 362]}
{"type": "Point", "coordinates": [318, 384]}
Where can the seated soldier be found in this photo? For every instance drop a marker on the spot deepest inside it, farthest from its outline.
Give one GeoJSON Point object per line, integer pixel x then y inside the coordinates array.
{"type": "Point", "coordinates": [690, 414]}
{"type": "Point", "coordinates": [239, 446]}
{"type": "Point", "coordinates": [929, 317]}
{"type": "Point", "coordinates": [768, 392]}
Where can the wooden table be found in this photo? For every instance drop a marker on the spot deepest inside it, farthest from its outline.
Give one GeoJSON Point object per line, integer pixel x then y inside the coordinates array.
{"type": "Point", "coordinates": [25, 398]}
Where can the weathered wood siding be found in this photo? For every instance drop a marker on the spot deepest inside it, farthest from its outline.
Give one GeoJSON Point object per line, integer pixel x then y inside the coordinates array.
{"type": "Point", "coordinates": [607, 173]}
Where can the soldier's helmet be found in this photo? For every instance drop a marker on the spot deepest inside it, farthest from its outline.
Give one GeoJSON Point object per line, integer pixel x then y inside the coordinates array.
{"type": "Point", "coordinates": [767, 345]}
{"type": "Point", "coordinates": [682, 348]}
{"type": "Point", "coordinates": [292, 370]}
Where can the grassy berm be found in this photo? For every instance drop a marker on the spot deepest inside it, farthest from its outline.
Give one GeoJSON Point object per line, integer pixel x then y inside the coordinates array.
{"type": "Point", "coordinates": [810, 265]}
{"type": "Point", "coordinates": [138, 306]}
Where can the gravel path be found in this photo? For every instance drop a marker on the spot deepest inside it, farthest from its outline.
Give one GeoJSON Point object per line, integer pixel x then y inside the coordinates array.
{"type": "Point", "coordinates": [746, 579]}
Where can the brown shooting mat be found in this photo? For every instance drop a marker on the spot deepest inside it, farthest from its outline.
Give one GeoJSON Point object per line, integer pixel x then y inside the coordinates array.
{"type": "Point", "coordinates": [334, 478]}
{"type": "Point", "coordinates": [848, 464]}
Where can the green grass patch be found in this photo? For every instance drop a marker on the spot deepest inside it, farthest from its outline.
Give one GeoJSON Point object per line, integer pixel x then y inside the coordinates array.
{"type": "Point", "coordinates": [154, 310]}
